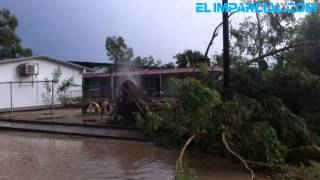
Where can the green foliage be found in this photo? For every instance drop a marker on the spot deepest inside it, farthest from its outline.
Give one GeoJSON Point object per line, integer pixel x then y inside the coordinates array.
{"type": "Point", "coordinates": [249, 129]}
{"type": "Point", "coordinates": [188, 58]}
{"type": "Point", "coordinates": [10, 43]}
{"type": "Point", "coordinates": [193, 113]}
{"type": "Point", "coordinates": [66, 84]}
{"type": "Point", "coordinates": [188, 174]}
{"type": "Point", "coordinates": [292, 130]}
{"type": "Point", "coordinates": [312, 172]}
{"type": "Point", "coordinates": [195, 96]}
{"type": "Point", "coordinates": [52, 91]}
{"type": "Point", "coordinates": [298, 90]}
{"type": "Point", "coordinates": [288, 83]}
{"type": "Point", "coordinates": [56, 74]}
{"type": "Point", "coordinates": [270, 108]}
{"type": "Point", "coordinates": [307, 56]}
{"type": "Point", "coordinates": [47, 95]}
{"type": "Point", "coordinates": [169, 65]}
{"type": "Point", "coordinates": [153, 124]}
{"type": "Point", "coordinates": [49, 86]}
{"type": "Point", "coordinates": [71, 101]}
{"type": "Point", "coordinates": [163, 125]}
{"type": "Point", "coordinates": [259, 142]}
{"type": "Point", "coordinates": [117, 50]}
{"type": "Point", "coordinates": [247, 81]}
{"type": "Point", "coordinates": [237, 111]}
{"type": "Point", "coordinates": [120, 53]}
{"type": "Point", "coordinates": [260, 130]}
{"type": "Point", "coordinates": [204, 70]}
{"type": "Point", "coordinates": [146, 61]}
{"type": "Point", "coordinates": [62, 91]}
{"type": "Point", "coordinates": [261, 33]}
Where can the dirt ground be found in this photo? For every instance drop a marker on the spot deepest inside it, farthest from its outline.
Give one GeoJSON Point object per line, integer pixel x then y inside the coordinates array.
{"type": "Point", "coordinates": [64, 115]}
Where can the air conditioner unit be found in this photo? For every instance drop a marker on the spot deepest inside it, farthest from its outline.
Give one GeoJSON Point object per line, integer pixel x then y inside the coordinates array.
{"type": "Point", "coordinates": [28, 69]}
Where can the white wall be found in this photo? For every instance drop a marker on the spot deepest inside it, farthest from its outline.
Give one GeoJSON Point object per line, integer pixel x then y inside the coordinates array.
{"type": "Point", "coordinates": [28, 95]}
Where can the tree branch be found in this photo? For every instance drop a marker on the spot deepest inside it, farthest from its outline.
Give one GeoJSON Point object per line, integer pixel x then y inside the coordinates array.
{"type": "Point", "coordinates": [260, 39]}
{"type": "Point", "coordinates": [244, 163]}
{"type": "Point", "coordinates": [276, 51]}
{"type": "Point", "coordinates": [179, 161]}
{"type": "Point", "coordinates": [214, 35]}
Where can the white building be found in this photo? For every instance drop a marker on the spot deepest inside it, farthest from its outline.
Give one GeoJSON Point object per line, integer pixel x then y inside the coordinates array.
{"type": "Point", "coordinates": [25, 91]}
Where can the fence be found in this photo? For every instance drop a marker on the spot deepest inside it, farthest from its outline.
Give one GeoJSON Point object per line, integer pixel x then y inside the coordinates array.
{"type": "Point", "coordinates": [29, 95]}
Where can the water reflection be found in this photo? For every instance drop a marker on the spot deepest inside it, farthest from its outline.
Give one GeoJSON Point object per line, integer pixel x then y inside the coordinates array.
{"type": "Point", "coordinates": [42, 156]}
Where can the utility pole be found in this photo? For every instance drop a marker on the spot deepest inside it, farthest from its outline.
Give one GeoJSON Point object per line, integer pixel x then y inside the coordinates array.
{"type": "Point", "coordinates": [226, 50]}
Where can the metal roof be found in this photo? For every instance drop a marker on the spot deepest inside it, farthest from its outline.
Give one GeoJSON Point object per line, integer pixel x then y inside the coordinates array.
{"type": "Point", "coordinates": [90, 64]}
{"type": "Point", "coordinates": [150, 72]}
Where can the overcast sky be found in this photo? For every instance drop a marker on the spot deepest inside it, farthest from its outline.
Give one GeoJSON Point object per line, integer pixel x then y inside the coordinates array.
{"type": "Point", "coordinates": [76, 29]}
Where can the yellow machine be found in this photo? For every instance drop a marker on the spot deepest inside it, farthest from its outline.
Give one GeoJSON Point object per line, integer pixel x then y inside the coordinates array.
{"type": "Point", "coordinates": [93, 107]}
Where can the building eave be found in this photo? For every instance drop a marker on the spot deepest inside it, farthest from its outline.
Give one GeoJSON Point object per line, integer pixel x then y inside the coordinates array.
{"type": "Point", "coordinates": [5, 61]}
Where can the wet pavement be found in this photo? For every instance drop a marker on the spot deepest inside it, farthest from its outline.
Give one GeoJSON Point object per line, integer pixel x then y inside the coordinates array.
{"type": "Point", "coordinates": [115, 132]}
{"type": "Point", "coordinates": [34, 156]}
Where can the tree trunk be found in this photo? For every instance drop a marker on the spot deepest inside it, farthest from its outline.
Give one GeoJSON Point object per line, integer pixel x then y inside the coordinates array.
{"type": "Point", "coordinates": [226, 53]}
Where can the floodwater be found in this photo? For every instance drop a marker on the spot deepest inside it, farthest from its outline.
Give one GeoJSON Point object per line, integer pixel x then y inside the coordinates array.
{"type": "Point", "coordinates": [33, 156]}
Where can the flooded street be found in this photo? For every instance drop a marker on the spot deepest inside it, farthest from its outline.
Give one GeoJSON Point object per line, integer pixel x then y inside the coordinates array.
{"type": "Point", "coordinates": [43, 156]}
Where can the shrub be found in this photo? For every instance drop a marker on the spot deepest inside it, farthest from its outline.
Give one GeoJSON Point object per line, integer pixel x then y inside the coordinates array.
{"type": "Point", "coordinates": [259, 142]}
{"type": "Point", "coordinates": [312, 172]}
{"type": "Point", "coordinates": [291, 129]}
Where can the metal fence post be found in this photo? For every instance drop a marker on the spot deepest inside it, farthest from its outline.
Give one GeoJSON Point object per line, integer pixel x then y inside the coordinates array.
{"type": "Point", "coordinates": [160, 84]}
{"type": "Point", "coordinates": [11, 101]}
{"type": "Point", "coordinates": [52, 97]}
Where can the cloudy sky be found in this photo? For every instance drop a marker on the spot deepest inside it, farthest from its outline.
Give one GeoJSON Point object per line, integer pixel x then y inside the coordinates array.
{"type": "Point", "coordinates": [76, 29]}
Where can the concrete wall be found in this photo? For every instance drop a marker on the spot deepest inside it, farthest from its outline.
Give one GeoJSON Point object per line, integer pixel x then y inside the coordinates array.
{"type": "Point", "coordinates": [30, 94]}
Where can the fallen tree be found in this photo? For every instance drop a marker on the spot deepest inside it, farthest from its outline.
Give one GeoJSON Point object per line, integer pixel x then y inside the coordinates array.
{"type": "Point", "coordinates": [255, 132]}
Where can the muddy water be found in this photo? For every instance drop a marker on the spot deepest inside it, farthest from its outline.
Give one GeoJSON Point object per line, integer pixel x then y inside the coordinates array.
{"type": "Point", "coordinates": [41, 156]}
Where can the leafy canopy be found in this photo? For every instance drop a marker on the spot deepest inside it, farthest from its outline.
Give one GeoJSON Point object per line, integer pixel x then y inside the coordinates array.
{"type": "Point", "coordinates": [117, 50]}
{"type": "Point", "coordinates": [307, 56]}
{"type": "Point", "coordinates": [146, 61]}
{"type": "Point", "coordinates": [188, 58]}
{"type": "Point", "coordinates": [120, 53]}
{"type": "Point", "coordinates": [10, 43]}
